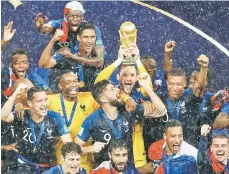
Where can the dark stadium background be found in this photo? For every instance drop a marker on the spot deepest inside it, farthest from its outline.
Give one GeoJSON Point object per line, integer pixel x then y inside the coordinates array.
{"type": "Point", "coordinates": [154, 30]}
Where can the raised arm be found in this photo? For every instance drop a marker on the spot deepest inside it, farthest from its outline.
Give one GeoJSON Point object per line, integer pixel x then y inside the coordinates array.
{"type": "Point", "coordinates": [95, 148]}
{"type": "Point", "coordinates": [143, 80]}
{"type": "Point", "coordinates": [133, 50]}
{"type": "Point", "coordinates": [203, 160]}
{"type": "Point", "coordinates": [40, 24]}
{"type": "Point", "coordinates": [46, 59]}
{"type": "Point", "coordinates": [85, 133]}
{"type": "Point", "coordinates": [202, 77]}
{"type": "Point", "coordinates": [7, 35]}
{"type": "Point", "coordinates": [99, 48]}
{"type": "Point", "coordinates": [88, 61]}
{"type": "Point", "coordinates": [169, 47]}
{"type": "Point", "coordinates": [107, 72]}
{"type": "Point", "coordinates": [6, 114]}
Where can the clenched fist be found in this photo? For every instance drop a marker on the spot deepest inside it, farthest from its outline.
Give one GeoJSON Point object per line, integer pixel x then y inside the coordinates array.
{"type": "Point", "coordinates": [98, 146]}
{"type": "Point", "coordinates": [169, 46]}
{"type": "Point", "coordinates": [205, 129]}
{"type": "Point", "coordinates": [57, 35]}
{"type": "Point", "coordinates": [203, 60]}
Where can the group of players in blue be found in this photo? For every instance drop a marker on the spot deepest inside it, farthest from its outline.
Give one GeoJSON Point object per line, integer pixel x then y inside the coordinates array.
{"type": "Point", "coordinates": [123, 118]}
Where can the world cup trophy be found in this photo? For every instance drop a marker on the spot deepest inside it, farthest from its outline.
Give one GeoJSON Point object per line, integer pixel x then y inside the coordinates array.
{"type": "Point", "coordinates": [128, 36]}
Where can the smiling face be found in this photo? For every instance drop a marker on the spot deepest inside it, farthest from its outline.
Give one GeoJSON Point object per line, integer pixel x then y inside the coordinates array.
{"type": "Point", "coordinates": [174, 139]}
{"type": "Point", "coordinates": [119, 157]}
{"type": "Point", "coordinates": [150, 66]}
{"type": "Point", "coordinates": [74, 18]}
{"type": "Point", "coordinates": [175, 86]}
{"type": "Point", "coordinates": [71, 163]}
{"type": "Point", "coordinates": [20, 65]}
{"type": "Point", "coordinates": [220, 149]}
{"type": "Point", "coordinates": [111, 95]}
{"type": "Point", "coordinates": [69, 86]}
{"type": "Point", "coordinates": [39, 103]}
{"type": "Point", "coordinates": [127, 78]}
{"type": "Point", "coordinates": [86, 41]}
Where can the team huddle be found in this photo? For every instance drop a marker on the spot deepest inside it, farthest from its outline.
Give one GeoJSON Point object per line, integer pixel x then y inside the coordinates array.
{"type": "Point", "coordinates": [125, 118]}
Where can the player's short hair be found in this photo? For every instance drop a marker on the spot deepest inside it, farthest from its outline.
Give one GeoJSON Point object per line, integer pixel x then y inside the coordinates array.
{"type": "Point", "coordinates": [32, 91]}
{"type": "Point", "coordinates": [71, 147]}
{"type": "Point", "coordinates": [83, 26]}
{"type": "Point", "coordinates": [221, 136]}
{"type": "Point", "coordinates": [66, 72]}
{"type": "Point", "coordinates": [177, 72]}
{"type": "Point", "coordinates": [98, 89]}
{"type": "Point", "coordinates": [117, 144]}
{"type": "Point", "coordinates": [17, 51]}
{"type": "Point", "coordinates": [221, 121]}
{"type": "Point", "coordinates": [122, 66]}
{"type": "Point", "coordinates": [146, 57]}
{"type": "Point", "coordinates": [195, 72]}
{"type": "Point", "coordinates": [209, 74]}
{"type": "Point", "coordinates": [172, 123]}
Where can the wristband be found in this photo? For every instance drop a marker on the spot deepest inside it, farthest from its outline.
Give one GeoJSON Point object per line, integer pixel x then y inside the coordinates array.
{"type": "Point", "coordinates": [117, 62]}
{"type": "Point", "coordinates": [138, 62]}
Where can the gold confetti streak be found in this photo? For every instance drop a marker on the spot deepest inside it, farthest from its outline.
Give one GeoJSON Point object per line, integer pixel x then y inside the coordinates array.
{"type": "Point", "coordinates": [186, 24]}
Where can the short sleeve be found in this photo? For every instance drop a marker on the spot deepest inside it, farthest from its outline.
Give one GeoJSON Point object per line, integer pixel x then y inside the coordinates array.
{"type": "Point", "coordinates": [98, 41]}
{"type": "Point", "coordinates": [57, 57]}
{"type": "Point", "coordinates": [52, 170]}
{"type": "Point", "coordinates": [86, 128]}
{"type": "Point", "coordinates": [56, 24]}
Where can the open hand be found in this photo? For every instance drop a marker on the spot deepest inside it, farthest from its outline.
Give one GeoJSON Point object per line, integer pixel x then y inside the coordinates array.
{"type": "Point", "coordinates": [143, 79]}
{"type": "Point", "coordinates": [40, 20]}
{"type": "Point", "coordinates": [8, 32]}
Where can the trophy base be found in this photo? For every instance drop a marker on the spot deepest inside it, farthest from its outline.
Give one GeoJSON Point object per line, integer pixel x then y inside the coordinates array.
{"type": "Point", "coordinates": [129, 61]}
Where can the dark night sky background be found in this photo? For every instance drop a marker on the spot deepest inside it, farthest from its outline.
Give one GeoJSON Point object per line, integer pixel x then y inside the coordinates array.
{"type": "Point", "coordinates": [154, 29]}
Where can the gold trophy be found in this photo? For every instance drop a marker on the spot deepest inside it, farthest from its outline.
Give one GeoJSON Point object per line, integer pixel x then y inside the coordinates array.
{"type": "Point", "coordinates": [128, 36]}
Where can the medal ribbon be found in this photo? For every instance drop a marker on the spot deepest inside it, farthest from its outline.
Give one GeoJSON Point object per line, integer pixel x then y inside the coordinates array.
{"type": "Point", "coordinates": [36, 140]}
{"type": "Point", "coordinates": [68, 122]}
{"type": "Point", "coordinates": [171, 108]}
{"type": "Point", "coordinates": [117, 133]}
